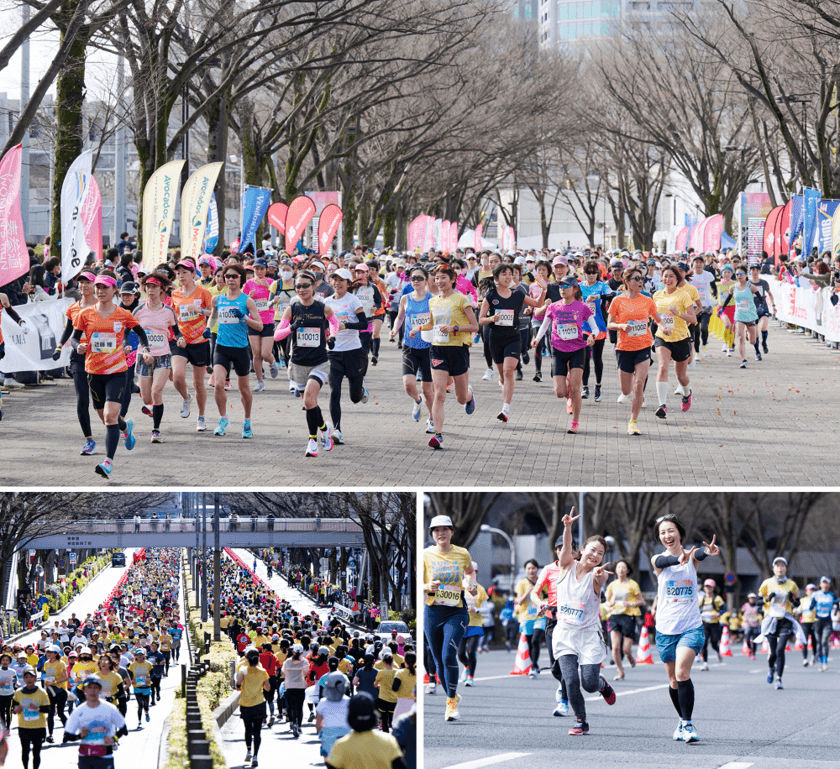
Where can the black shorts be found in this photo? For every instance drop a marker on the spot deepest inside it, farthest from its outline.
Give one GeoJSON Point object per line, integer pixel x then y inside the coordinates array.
{"type": "Point", "coordinates": [680, 350]}
{"type": "Point", "coordinates": [625, 624]}
{"type": "Point", "coordinates": [629, 359]}
{"type": "Point", "coordinates": [238, 356]}
{"type": "Point", "coordinates": [455, 360]}
{"type": "Point", "coordinates": [505, 347]}
{"type": "Point", "coordinates": [106, 388]}
{"type": "Point", "coordinates": [416, 359]}
{"type": "Point", "coordinates": [267, 330]}
{"type": "Point", "coordinates": [197, 353]}
{"type": "Point", "coordinates": [763, 312]}
{"type": "Point", "coordinates": [563, 362]}
{"type": "Point", "coordinates": [346, 362]}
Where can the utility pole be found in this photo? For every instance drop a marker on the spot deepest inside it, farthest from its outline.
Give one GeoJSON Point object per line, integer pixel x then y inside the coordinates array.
{"type": "Point", "coordinates": [24, 98]}
{"type": "Point", "coordinates": [217, 576]}
{"type": "Point", "coordinates": [204, 560]}
{"type": "Point", "coordinates": [120, 224]}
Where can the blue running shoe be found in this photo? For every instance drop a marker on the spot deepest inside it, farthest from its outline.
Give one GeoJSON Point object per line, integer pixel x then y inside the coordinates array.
{"type": "Point", "coordinates": [88, 449]}
{"type": "Point", "coordinates": [365, 395]}
{"type": "Point", "coordinates": [770, 677]}
{"type": "Point", "coordinates": [104, 468]}
{"type": "Point", "coordinates": [470, 407]}
{"type": "Point", "coordinates": [128, 436]}
{"type": "Point", "coordinates": [222, 426]}
{"type": "Point", "coordinates": [247, 432]}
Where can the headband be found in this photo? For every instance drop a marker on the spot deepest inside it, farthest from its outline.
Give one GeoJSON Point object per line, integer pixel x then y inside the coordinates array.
{"type": "Point", "coordinates": [105, 280]}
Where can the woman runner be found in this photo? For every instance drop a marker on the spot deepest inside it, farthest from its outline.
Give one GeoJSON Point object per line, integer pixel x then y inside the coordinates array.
{"type": "Point", "coordinates": [624, 597]}
{"type": "Point", "coordinates": [262, 341]}
{"type": "Point", "coordinates": [781, 596]}
{"type": "Point", "coordinates": [710, 611]}
{"type": "Point", "coordinates": [595, 293]}
{"type": "Point", "coordinates": [468, 649]}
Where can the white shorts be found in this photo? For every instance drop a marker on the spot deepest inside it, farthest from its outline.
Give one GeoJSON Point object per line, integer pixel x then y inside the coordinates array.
{"type": "Point", "coordinates": [588, 645]}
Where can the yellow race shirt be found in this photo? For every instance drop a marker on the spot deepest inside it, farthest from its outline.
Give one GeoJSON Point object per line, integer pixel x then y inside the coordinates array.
{"type": "Point", "coordinates": [474, 603]}
{"type": "Point", "coordinates": [624, 596]}
{"type": "Point", "coordinates": [449, 569]}
{"type": "Point", "coordinates": [679, 328]}
{"type": "Point", "coordinates": [527, 610]}
{"type": "Point", "coordinates": [385, 678]}
{"type": "Point", "coordinates": [408, 682]}
{"type": "Point", "coordinates": [777, 596]}
{"type": "Point", "coordinates": [81, 670]}
{"type": "Point", "coordinates": [450, 311]}
{"type": "Point", "coordinates": [252, 686]}
{"type": "Point", "coordinates": [31, 703]}
{"type": "Point", "coordinates": [365, 750]}
{"type": "Point", "coordinates": [710, 609]}
{"type": "Point", "coordinates": [693, 293]}
{"type": "Point", "coordinates": [809, 612]}
{"type": "Point", "coordinates": [53, 671]}
{"type": "Point", "coordinates": [110, 684]}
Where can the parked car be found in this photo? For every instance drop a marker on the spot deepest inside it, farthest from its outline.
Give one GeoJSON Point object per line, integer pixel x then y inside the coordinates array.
{"type": "Point", "coordinates": [383, 632]}
{"type": "Point", "coordinates": [118, 559]}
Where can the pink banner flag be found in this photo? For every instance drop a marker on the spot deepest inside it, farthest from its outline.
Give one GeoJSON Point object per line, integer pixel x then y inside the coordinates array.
{"type": "Point", "coordinates": [453, 236]}
{"type": "Point", "coordinates": [92, 219]}
{"type": "Point", "coordinates": [478, 231]}
{"type": "Point", "coordinates": [771, 227]}
{"type": "Point", "coordinates": [327, 227]}
{"type": "Point", "coordinates": [712, 233]}
{"type": "Point", "coordinates": [429, 236]}
{"type": "Point", "coordinates": [682, 235]}
{"type": "Point", "coordinates": [444, 235]}
{"type": "Point", "coordinates": [416, 230]}
{"type": "Point", "coordinates": [301, 210]}
{"type": "Point", "coordinates": [14, 256]}
{"type": "Point", "coordinates": [277, 216]}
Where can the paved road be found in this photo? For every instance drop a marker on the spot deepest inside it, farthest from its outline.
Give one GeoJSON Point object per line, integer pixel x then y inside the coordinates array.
{"type": "Point", "coordinates": [781, 407]}
{"type": "Point", "coordinates": [506, 721]}
{"type": "Point", "coordinates": [142, 747]}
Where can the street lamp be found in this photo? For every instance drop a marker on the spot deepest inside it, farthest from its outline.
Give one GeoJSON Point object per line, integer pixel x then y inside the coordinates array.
{"type": "Point", "coordinates": [492, 530]}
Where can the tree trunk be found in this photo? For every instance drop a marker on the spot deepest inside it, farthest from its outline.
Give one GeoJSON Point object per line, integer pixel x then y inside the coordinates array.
{"type": "Point", "coordinates": [217, 145]}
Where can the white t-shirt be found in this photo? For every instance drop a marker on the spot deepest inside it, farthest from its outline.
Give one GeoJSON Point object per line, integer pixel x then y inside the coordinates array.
{"type": "Point", "coordinates": [334, 713]}
{"type": "Point", "coordinates": [102, 721]}
{"type": "Point", "coordinates": [345, 310]}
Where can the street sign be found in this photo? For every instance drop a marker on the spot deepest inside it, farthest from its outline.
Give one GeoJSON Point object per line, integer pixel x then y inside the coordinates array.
{"type": "Point", "coordinates": [72, 558]}
{"type": "Point", "coordinates": [351, 564]}
{"type": "Point", "coordinates": [729, 577]}
{"type": "Point", "coordinates": [61, 564]}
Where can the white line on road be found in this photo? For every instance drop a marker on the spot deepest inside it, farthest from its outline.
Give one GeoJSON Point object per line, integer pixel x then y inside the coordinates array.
{"type": "Point", "coordinates": [489, 761]}
{"type": "Point", "coordinates": [632, 691]}
{"type": "Point", "coordinates": [736, 765]}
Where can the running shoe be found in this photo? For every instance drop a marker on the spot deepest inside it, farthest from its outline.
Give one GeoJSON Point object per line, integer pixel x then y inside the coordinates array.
{"type": "Point", "coordinates": [128, 435]}
{"type": "Point", "coordinates": [247, 432]}
{"type": "Point", "coordinates": [452, 713]}
{"type": "Point", "coordinates": [758, 356]}
{"type": "Point", "coordinates": [274, 370]}
{"type": "Point", "coordinates": [292, 388]}
{"type": "Point", "coordinates": [201, 426]}
{"type": "Point", "coordinates": [805, 664]}
{"type": "Point", "coordinates": [104, 468]}
{"type": "Point", "coordinates": [373, 360]}
{"type": "Point", "coordinates": [585, 393]}
{"type": "Point", "coordinates": [260, 386]}
{"type": "Point", "coordinates": [764, 348]}
{"type": "Point", "coordinates": [436, 441]}
{"type": "Point", "coordinates": [569, 407]}
{"type": "Point", "coordinates": [662, 411]}
{"type": "Point", "coordinates": [502, 416]}
{"type": "Point", "coordinates": [337, 437]}
{"type": "Point", "coordinates": [470, 405]}
{"type": "Point", "coordinates": [597, 393]}
{"type": "Point", "coordinates": [312, 448]}
{"type": "Point", "coordinates": [573, 428]}
{"type": "Point", "coordinates": [254, 763]}
{"type": "Point", "coordinates": [562, 709]}
{"type": "Point", "coordinates": [678, 390]}
{"type": "Point", "coordinates": [678, 732]}
{"type": "Point", "coordinates": [469, 681]}
{"type": "Point", "coordinates": [729, 353]}
{"type": "Point", "coordinates": [148, 718]}
{"type": "Point", "coordinates": [430, 426]}
{"type": "Point", "coordinates": [156, 437]}
{"type": "Point", "coordinates": [526, 357]}
{"type": "Point", "coordinates": [770, 676]}
{"type": "Point", "coordinates": [185, 407]}
{"type": "Point", "coordinates": [686, 401]}
{"type": "Point", "coordinates": [248, 756]}
{"type": "Point", "coordinates": [608, 693]}
{"type": "Point", "coordinates": [725, 348]}
{"type": "Point", "coordinates": [282, 362]}
{"type": "Point", "coordinates": [580, 727]}
{"type": "Point", "coordinates": [365, 395]}
{"type": "Point", "coordinates": [518, 375]}
{"type": "Point", "coordinates": [538, 376]}
{"type": "Point", "coordinates": [50, 739]}
{"type": "Point", "coordinates": [622, 398]}
{"type": "Point", "coordinates": [689, 733]}
{"type": "Point", "coordinates": [704, 666]}
{"type": "Point", "coordinates": [326, 438]}
{"type": "Point", "coordinates": [417, 411]}
{"type": "Point", "coordinates": [147, 410]}
{"type": "Point", "coordinates": [633, 427]}
{"type": "Point", "coordinates": [779, 684]}
{"type": "Point", "coordinates": [89, 449]}
{"type": "Point", "coordinates": [431, 688]}
{"type": "Point", "coordinates": [744, 363]}
{"type": "Point", "coordinates": [488, 375]}
{"type": "Point", "coordinates": [222, 426]}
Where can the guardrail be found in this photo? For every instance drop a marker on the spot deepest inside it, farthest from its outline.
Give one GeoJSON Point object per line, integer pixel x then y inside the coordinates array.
{"type": "Point", "coordinates": [191, 525]}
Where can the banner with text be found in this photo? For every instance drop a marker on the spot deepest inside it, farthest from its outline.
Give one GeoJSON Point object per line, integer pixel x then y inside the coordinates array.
{"type": "Point", "coordinates": [211, 237]}
{"type": "Point", "coordinates": [14, 256]}
{"type": "Point", "coordinates": [159, 211]}
{"type": "Point", "coordinates": [33, 351]}
{"type": "Point", "coordinates": [328, 222]}
{"type": "Point", "coordinates": [92, 219]}
{"type": "Point", "coordinates": [74, 189]}
{"type": "Point", "coordinates": [195, 203]}
{"type": "Point", "coordinates": [806, 308]}
{"type": "Point", "coordinates": [254, 207]}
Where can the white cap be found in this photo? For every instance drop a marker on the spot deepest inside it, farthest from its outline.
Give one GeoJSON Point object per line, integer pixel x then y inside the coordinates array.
{"type": "Point", "coordinates": [343, 273]}
{"type": "Point", "coordinates": [441, 520]}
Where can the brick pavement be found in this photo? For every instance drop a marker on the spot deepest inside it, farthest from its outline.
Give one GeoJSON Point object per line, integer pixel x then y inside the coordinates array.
{"type": "Point", "coordinates": [773, 424]}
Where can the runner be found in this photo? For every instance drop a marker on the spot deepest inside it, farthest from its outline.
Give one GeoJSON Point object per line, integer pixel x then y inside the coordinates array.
{"type": "Point", "coordinates": [624, 597]}
{"type": "Point", "coordinates": [543, 271]}
{"type": "Point", "coordinates": [501, 309]}
{"type": "Point", "coordinates": [452, 324]}
{"type": "Point", "coordinates": [746, 313]}
{"type": "Point", "coordinates": [826, 606]}
{"type": "Point", "coordinates": [282, 293]}
{"type": "Point", "coordinates": [704, 281]}
{"type": "Point", "coordinates": [568, 346]}
{"type": "Point", "coordinates": [309, 319]}
{"type": "Point", "coordinates": [578, 643]}
{"type": "Point", "coordinates": [471, 642]}
{"type": "Point", "coordinates": [157, 319]}
{"type": "Point", "coordinates": [761, 297]}
{"type": "Point", "coordinates": [96, 725]}
{"type": "Point", "coordinates": [446, 617]}
{"type": "Point", "coordinates": [710, 611]}
{"type": "Point", "coordinates": [262, 341]}
{"type": "Point", "coordinates": [673, 339]}
{"type": "Point", "coordinates": [140, 671]}
{"type": "Point", "coordinates": [780, 595]}
{"type": "Point", "coordinates": [527, 613]}
{"type": "Point", "coordinates": [596, 293]}
{"type": "Point", "coordinates": [751, 614]}
{"type": "Point", "coordinates": [252, 681]}
{"type": "Point", "coordinates": [806, 611]}
{"type": "Point", "coordinates": [726, 310]}
{"type": "Point", "coordinates": [368, 294]}
{"type": "Point", "coordinates": [55, 684]}
{"type": "Point", "coordinates": [679, 627]}
{"type": "Point", "coordinates": [236, 312]}
{"type": "Point", "coordinates": [30, 704]}
{"type": "Point", "coordinates": [104, 327]}
{"type": "Point", "coordinates": [192, 305]}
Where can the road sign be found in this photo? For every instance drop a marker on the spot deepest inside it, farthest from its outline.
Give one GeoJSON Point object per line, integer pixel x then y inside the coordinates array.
{"type": "Point", "coordinates": [729, 577]}
{"type": "Point", "coordinates": [61, 564]}
{"type": "Point", "coordinates": [351, 564]}
{"type": "Point", "coordinates": [72, 558]}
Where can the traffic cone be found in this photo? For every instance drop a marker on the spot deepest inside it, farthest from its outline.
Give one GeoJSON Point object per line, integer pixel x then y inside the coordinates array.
{"type": "Point", "coordinates": [835, 643]}
{"type": "Point", "coordinates": [725, 650]}
{"type": "Point", "coordinates": [765, 647]}
{"type": "Point", "coordinates": [745, 649]}
{"type": "Point", "coordinates": [426, 678]}
{"type": "Point", "coordinates": [798, 647]}
{"type": "Point", "coordinates": [643, 655]}
{"type": "Point", "coordinates": [522, 663]}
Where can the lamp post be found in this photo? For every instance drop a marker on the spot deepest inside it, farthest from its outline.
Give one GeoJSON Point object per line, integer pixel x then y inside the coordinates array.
{"type": "Point", "coordinates": [492, 530]}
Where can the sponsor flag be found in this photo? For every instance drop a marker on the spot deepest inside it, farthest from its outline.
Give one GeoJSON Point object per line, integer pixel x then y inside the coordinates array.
{"type": "Point", "coordinates": [301, 210]}
{"type": "Point", "coordinates": [255, 204]}
{"type": "Point", "coordinates": [835, 233]}
{"type": "Point", "coordinates": [429, 234]}
{"type": "Point", "coordinates": [712, 233]}
{"type": "Point", "coordinates": [74, 188]}
{"type": "Point", "coordinates": [785, 223]}
{"type": "Point", "coordinates": [812, 197]}
{"type": "Point", "coordinates": [211, 238]}
{"type": "Point", "coordinates": [771, 229]}
{"type": "Point", "coordinates": [328, 226]}
{"type": "Point", "coordinates": [277, 216]}
{"type": "Point", "coordinates": [797, 218]}
{"type": "Point", "coordinates": [680, 243]}
{"type": "Point", "coordinates": [444, 234]}
{"type": "Point", "coordinates": [195, 204]}
{"type": "Point", "coordinates": [14, 255]}
{"type": "Point", "coordinates": [92, 219]}
{"type": "Point", "coordinates": [159, 211]}
{"type": "Point", "coordinates": [416, 230]}
{"type": "Point", "coordinates": [453, 236]}
{"type": "Point", "coordinates": [825, 218]}
{"type": "Point", "coordinates": [478, 241]}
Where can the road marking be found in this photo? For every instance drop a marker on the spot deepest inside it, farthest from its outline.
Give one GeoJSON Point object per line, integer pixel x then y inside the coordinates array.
{"type": "Point", "coordinates": [736, 765]}
{"type": "Point", "coordinates": [632, 691]}
{"type": "Point", "coordinates": [488, 761]}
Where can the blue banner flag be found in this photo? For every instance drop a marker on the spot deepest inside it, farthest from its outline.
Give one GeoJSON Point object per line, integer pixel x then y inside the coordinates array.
{"type": "Point", "coordinates": [254, 206]}
{"type": "Point", "coordinates": [211, 239]}
{"type": "Point", "coordinates": [825, 217]}
{"type": "Point", "coordinates": [812, 197]}
{"type": "Point", "coordinates": [796, 218]}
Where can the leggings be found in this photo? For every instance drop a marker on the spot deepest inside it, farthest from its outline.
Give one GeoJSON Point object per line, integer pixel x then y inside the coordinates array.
{"type": "Point", "coordinates": [445, 627]}
{"type": "Point", "coordinates": [540, 350]}
{"type": "Point", "coordinates": [294, 703]}
{"type": "Point", "coordinates": [142, 703]}
{"type": "Point", "coordinates": [596, 352]}
{"type": "Point", "coordinates": [35, 739]}
{"type": "Point", "coordinates": [80, 382]}
{"type": "Point", "coordinates": [122, 705]}
{"type": "Point", "coordinates": [485, 337]}
{"type": "Point", "coordinates": [701, 329]}
{"type": "Point", "coordinates": [589, 679]}
{"type": "Point", "coordinates": [6, 711]}
{"type": "Point", "coordinates": [57, 702]}
{"type": "Point", "coordinates": [253, 727]}
{"type": "Point", "coordinates": [823, 636]}
{"type": "Point", "coordinates": [809, 628]}
{"type": "Point", "coordinates": [750, 634]}
{"type": "Point", "coordinates": [534, 644]}
{"type": "Point", "coordinates": [386, 712]}
{"type": "Point", "coordinates": [337, 374]}
{"type": "Point", "coordinates": [712, 631]}
{"type": "Point", "coordinates": [467, 652]}
{"type": "Point", "coordinates": [429, 662]}
{"type": "Point", "coordinates": [778, 641]}
{"type": "Point", "coordinates": [365, 338]}
{"type": "Point", "coordinates": [155, 688]}
{"type": "Point", "coordinates": [127, 390]}
{"type": "Point", "coordinates": [550, 624]}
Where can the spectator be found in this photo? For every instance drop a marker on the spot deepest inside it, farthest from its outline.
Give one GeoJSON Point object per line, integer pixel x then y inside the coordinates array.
{"type": "Point", "coordinates": [364, 746]}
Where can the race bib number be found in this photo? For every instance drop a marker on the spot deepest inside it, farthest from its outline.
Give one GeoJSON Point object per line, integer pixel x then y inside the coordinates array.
{"type": "Point", "coordinates": [709, 615]}
{"type": "Point", "coordinates": [106, 688]}
{"type": "Point", "coordinates": [262, 305]}
{"type": "Point", "coordinates": [679, 591]}
{"type": "Point", "coordinates": [282, 305]}
{"type": "Point", "coordinates": [438, 337]}
{"type": "Point", "coordinates": [504, 317]}
{"type": "Point", "coordinates": [743, 305]}
{"type": "Point", "coordinates": [140, 681]}
{"type": "Point", "coordinates": [49, 678]}
{"type": "Point", "coordinates": [571, 612]}
{"type": "Point", "coordinates": [448, 595]}
{"type": "Point", "coordinates": [778, 610]}
{"type": "Point", "coordinates": [532, 612]}
{"type": "Point", "coordinates": [568, 332]}
{"type": "Point", "coordinates": [637, 327]}
{"type": "Point", "coordinates": [419, 320]}
{"type": "Point", "coordinates": [188, 312]}
{"type": "Point", "coordinates": [31, 710]}
{"type": "Point", "coordinates": [106, 343]}
{"type": "Point", "coordinates": [227, 316]}
{"type": "Point", "coordinates": [367, 306]}
{"type": "Point", "coordinates": [6, 688]}
{"type": "Point", "coordinates": [156, 339]}
{"type": "Point", "coordinates": [308, 337]}
{"type": "Point", "coordinates": [666, 321]}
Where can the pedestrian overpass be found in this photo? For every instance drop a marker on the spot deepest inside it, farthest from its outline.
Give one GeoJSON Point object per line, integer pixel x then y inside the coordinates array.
{"type": "Point", "coordinates": [189, 532]}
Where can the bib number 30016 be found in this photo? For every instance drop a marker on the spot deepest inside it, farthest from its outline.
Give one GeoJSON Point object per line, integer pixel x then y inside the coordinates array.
{"type": "Point", "coordinates": [448, 595]}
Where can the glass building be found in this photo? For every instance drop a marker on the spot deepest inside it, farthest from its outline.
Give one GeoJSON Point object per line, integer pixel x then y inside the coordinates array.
{"type": "Point", "coordinates": [562, 21]}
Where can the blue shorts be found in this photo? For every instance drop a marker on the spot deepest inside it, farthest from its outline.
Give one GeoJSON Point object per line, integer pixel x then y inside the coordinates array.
{"type": "Point", "coordinates": [667, 645]}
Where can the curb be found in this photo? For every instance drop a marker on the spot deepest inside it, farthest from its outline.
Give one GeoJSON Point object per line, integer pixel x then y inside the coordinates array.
{"type": "Point", "coordinates": [225, 711]}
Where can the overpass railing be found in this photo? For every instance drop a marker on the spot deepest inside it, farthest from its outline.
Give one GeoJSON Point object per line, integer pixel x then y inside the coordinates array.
{"type": "Point", "coordinates": [191, 525]}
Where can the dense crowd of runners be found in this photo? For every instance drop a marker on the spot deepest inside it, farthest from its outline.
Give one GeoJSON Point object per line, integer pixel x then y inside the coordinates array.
{"type": "Point", "coordinates": [320, 321]}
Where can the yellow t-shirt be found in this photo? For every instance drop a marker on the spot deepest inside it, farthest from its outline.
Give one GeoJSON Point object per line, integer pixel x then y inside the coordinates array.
{"type": "Point", "coordinates": [385, 678]}
{"type": "Point", "coordinates": [809, 612]}
{"type": "Point", "coordinates": [165, 642]}
{"type": "Point", "coordinates": [408, 682]}
{"type": "Point", "coordinates": [344, 666]}
{"type": "Point", "coordinates": [624, 596]}
{"type": "Point", "coordinates": [692, 292]}
{"type": "Point", "coordinates": [710, 609]}
{"type": "Point", "coordinates": [53, 671]}
{"type": "Point", "coordinates": [449, 569]}
{"type": "Point", "coordinates": [779, 604]}
{"type": "Point", "coordinates": [474, 603]}
{"type": "Point", "coordinates": [142, 672]}
{"type": "Point", "coordinates": [364, 750]}
{"type": "Point", "coordinates": [252, 686]}
{"type": "Point", "coordinates": [31, 702]}
{"type": "Point", "coordinates": [527, 610]}
{"type": "Point", "coordinates": [110, 683]}
{"type": "Point", "coordinates": [450, 311]}
{"type": "Point", "coordinates": [81, 670]}
{"type": "Point", "coordinates": [679, 328]}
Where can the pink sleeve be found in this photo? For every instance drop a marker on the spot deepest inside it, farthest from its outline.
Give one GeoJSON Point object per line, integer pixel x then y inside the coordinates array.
{"type": "Point", "coordinates": [283, 330]}
{"type": "Point", "coordinates": [333, 321]}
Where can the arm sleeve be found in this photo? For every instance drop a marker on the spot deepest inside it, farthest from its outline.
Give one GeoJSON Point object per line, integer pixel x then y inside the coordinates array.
{"type": "Point", "coordinates": [361, 322]}
{"type": "Point", "coordinates": [141, 335]}
{"type": "Point", "coordinates": [283, 330]}
{"type": "Point", "coordinates": [701, 555]}
{"type": "Point", "coordinates": [663, 561]}
{"type": "Point", "coordinates": [13, 315]}
{"type": "Point", "coordinates": [333, 321]}
{"type": "Point", "coordinates": [377, 297]}
{"type": "Point", "coordinates": [66, 334]}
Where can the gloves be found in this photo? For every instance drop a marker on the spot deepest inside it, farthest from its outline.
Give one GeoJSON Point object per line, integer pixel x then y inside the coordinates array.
{"type": "Point", "coordinates": [23, 327]}
{"type": "Point", "coordinates": [236, 312]}
{"type": "Point", "coordinates": [331, 342]}
{"type": "Point", "coordinates": [56, 353]}
{"type": "Point", "coordinates": [207, 333]}
{"type": "Point", "coordinates": [296, 324]}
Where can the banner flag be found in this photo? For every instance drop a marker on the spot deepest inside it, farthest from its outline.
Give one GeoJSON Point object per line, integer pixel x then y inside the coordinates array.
{"type": "Point", "coordinates": [712, 233]}
{"type": "Point", "coordinates": [254, 207]}
{"type": "Point", "coordinates": [416, 231]}
{"type": "Point", "coordinates": [429, 235]}
{"type": "Point", "coordinates": [195, 203]}
{"type": "Point", "coordinates": [33, 351]}
{"type": "Point", "coordinates": [277, 216]}
{"type": "Point", "coordinates": [797, 218]}
{"type": "Point", "coordinates": [74, 189]}
{"type": "Point", "coordinates": [835, 233]}
{"type": "Point", "coordinates": [301, 210]}
{"type": "Point", "coordinates": [812, 197]}
{"type": "Point", "coordinates": [444, 235]}
{"type": "Point", "coordinates": [682, 237]}
{"type": "Point", "coordinates": [159, 211]}
{"type": "Point", "coordinates": [14, 255]}
{"type": "Point", "coordinates": [771, 228]}
{"type": "Point", "coordinates": [478, 241]}
{"type": "Point", "coordinates": [785, 225]}
{"type": "Point", "coordinates": [211, 239]}
{"type": "Point", "coordinates": [453, 236]}
{"type": "Point", "coordinates": [328, 223]}
{"type": "Point", "coordinates": [92, 219]}
{"type": "Point", "coordinates": [825, 218]}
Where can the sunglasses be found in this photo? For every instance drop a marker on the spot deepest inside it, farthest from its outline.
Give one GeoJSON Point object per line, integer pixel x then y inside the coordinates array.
{"type": "Point", "coordinates": [637, 278]}
{"type": "Point", "coordinates": [591, 272]}
{"type": "Point", "coordinates": [232, 275]}
{"type": "Point", "coordinates": [417, 279]}
{"type": "Point", "coordinates": [303, 285]}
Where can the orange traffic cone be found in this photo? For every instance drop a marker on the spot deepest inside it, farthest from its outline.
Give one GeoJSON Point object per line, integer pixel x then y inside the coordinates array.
{"type": "Point", "coordinates": [745, 649]}
{"type": "Point", "coordinates": [522, 664]}
{"type": "Point", "coordinates": [798, 647]}
{"type": "Point", "coordinates": [765, 647]}
{"type": "Point", "coordinates": [644, 656]}
{"type": "Point", "coordinates": [725, 650]}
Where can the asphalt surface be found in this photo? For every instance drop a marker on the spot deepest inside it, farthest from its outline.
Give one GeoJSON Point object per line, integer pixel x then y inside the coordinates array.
{"type": "Point", "coordinates": [783, 405]}
{"type": "Point", "coordinates": [507, 722]}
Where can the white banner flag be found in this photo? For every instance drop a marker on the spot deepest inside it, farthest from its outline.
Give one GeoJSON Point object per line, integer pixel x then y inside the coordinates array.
{"type": "Point", "coordinates": [74, 190]}
{"type": "Point", "coordinates": [159, 211]}
{"type": "Point", "coordinates": [195, 203]}
{"type": "Point", "coordinates": [33, 351]}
